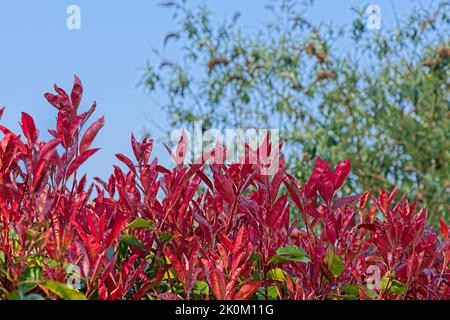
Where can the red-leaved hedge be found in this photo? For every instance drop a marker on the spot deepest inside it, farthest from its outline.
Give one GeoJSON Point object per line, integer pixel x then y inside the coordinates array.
{"type": "Point", "coordinates": [211, 231]}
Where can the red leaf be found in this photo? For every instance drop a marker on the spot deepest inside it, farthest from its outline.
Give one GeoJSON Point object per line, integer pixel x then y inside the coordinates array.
{"type": "Point", "coordinates": [384, 200]}
{"type": "Point", "coordinates": [444, 229]}
{"type": "Point", "coordinates": [86, 115]}
{"type": "Point", "coordinates": [215, 279]}
{"type": "Point", "coordinates": [47, 148]}
{"type": "Point", "coordinates": [205, 179]}
{"type": "Point", "coordinates": [120, 177]}
{"type": "Point", "coordinates": [364, 200]}
{"type": "Point", "coordinates": [6, 131]}
{"type": "Point", "coordinates": [80, 160]}
{"type": "Point", "coordinates": [136, 148]}
{"type": "Point", "coordinates": [247, 291]}
{"type": "Point", "coordinates": [368, 226]}
{"type": "Point", "coordinates": [330, 226]}
{"type": "Point", "coordinates": [77, 92]}
{"type": "Point", "coordinates": [224, 186]}
{"type": "Point", "coordinates": [239, 245]}
{"type": "Point", "coordinates": [61, 92]}
{"type": "Point", "coordinates": [53, 100]}
{"type": "Point", "coordinates": [61, 123]}
{"type": "Point", "coordinates": [116, 229]}
{"type": "Point", "coordinates": [277, 212]}
{"type": "Point", "coordinates": [313, 182]}
{"type": "Point", "coordinates": [341, 202]}
{"type": "Point", "coordinates": [181, 150]}
{"type": "Point", "coordinates": [66, 129]}
{"type": "Point", "coordinates": [63, 100]}
{"type": "Point", "coordinates": [227, 242]}
{"type": "Point", "coordinates": [142, 150]}
{"type": "Point", "coordinates": [162, 170]}
{"type": "Point", "coordinates": [81, 185]}
{"type": "Point", "coordinates": [294, 191]}
{"type": "Point", "coordinates": [420, 220]}
{"type": "Point", "coordinates": [392, 195]}
{"type": "Point", "coordinates": [127, 161]}
{"type": "Point", "coordinates": [28, 127]}
{"type": "Point", "coordinates": [111, 186]}
{"type": "Point", "coordinates": [90, 134]}
{"type": "Point", "coordinates": [100, 181]}
{"type": "Point", "coordinates": [241, 239]}
{"type": "Point", "coordinates": [340, 173]}
{"type": "Point", "coordinates": [326, 186]}
{"type": "Point", "coordinates": [147, 147]}
{"type": "Point", "coordinates": [40, 173]}
{"type": "Point", "coordinates": [1, 112]}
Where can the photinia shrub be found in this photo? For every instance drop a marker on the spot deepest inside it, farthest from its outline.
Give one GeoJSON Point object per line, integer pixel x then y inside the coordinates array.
{"type": "Point", "coordinates": [199, 231]}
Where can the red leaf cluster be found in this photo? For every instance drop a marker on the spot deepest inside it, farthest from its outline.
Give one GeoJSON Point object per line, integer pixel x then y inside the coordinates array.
{"type": "Point", "coordinates": [210, 231]}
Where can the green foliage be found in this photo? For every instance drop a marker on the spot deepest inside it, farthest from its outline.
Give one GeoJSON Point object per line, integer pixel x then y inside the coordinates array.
{"type": "Point", "coordinates": [277, 274]}
{"type": "Point", "coordinates": [381, 99]}
{"type": "Point", "coordinates": [132, 241]}
{"type": "Point", "coordinates": [140, 223]}
{"type": "Point", "coordinates": [62, 290]}
{"type": "Point", "coordinates": [289, 254]}
{"type": "Point", "coordinates": [334, 263]}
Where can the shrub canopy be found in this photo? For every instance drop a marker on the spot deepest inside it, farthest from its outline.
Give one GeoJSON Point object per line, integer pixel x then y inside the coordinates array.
{"type": "Point", "coordinates": [201, 231]}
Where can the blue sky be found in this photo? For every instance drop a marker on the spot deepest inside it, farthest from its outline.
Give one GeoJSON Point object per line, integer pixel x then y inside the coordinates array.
{"type": "Point", "coordinates": [115, 40]}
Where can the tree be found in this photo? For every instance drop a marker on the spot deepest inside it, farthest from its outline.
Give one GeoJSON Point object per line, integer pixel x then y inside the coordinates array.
{"type": "Point", "coordinates": [382, 101]}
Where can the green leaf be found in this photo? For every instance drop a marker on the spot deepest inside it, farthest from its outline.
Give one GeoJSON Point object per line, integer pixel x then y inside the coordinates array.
{"type": "Point", "coordinates": [170, 274]}
{"type": "Point", "coordinates": [281, 259]}
{"type": "Point", "coordinates": [392, 286]}
{"type": "Point", "coordinates": [140, 223]}
{"type": "Point", "coordinates": [201, 287]}
{"type": "Point", "coordinates": [397, 287]}
{"type": "Point", "coordinates": [15, 295]}
{"type": "Point", "coordinates": [272, 292]}
{"type": "Point", "coordinates": [256, 256]}
{"type": "Point", "coordinates": [384, 282]}
{"type": "Point", "coordinates": [334, 263]}
{"type": "Point", "coordinates": [132, 241]}
{"type": "Point", "coordinates": [371, 294]}
{"type": "Point", "coordinates": [291, 250]}
{"type": "Point", "coordinates": [352, 289]}
{"type": "Point", "coordinates": [25, 287]}
{"type": "Point", "coordinates": [277, 274]}
{"type": "Point", "coordinates": [62, 290]}
{"type": "Point", "coordinates": [342, 296]}
{"type": "Point", "coordinates": [289, 254]}
{"type": "Point", "coordinates": [165, 236]}
{"type": "Point", "coordinates": [52, 263]}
